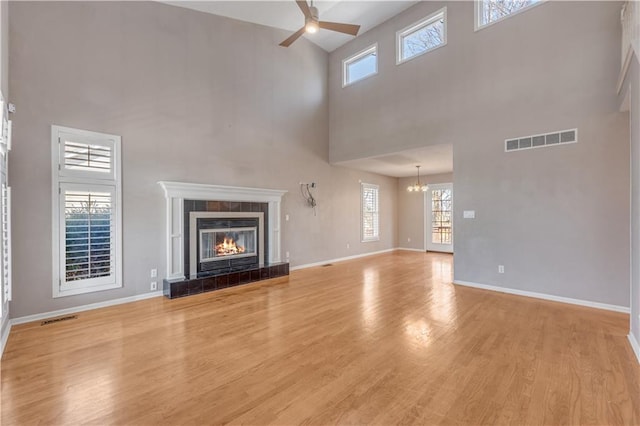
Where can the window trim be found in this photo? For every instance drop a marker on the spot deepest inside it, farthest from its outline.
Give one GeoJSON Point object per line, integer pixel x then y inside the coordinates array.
{"type": "Point", "coordinates": [353, 58]}
{"type": "Point", "coordinates": [85, 180]}
{"type": "Point", "coordinates": [477, 26]}
{"type": "Point", "coordinates": [364, 185]}
{"type": "Point", "coordinates": [416, 26]}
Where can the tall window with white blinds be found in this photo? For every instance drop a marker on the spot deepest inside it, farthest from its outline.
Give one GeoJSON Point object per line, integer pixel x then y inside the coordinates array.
{"type": "Point", "coordinates": [5, 222]}
{"type": "Point", "coordinates": [89, 240]}
{"type": "Point", "coordinates": [87, 224]}
{"type": "Point", "coordinates": [370, 212]}
{"type": "Point", "coordinates": [5, 210]}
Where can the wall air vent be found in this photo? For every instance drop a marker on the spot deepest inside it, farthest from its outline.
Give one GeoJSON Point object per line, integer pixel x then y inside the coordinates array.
{"type": "Point", "coordinates": [539, 141]}
{"type": "Point", "coordinates": [55, 320]}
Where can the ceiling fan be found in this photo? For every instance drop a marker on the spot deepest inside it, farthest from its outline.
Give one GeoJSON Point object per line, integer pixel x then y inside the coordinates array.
{"type": "Point", "coordinates": [312, 24]}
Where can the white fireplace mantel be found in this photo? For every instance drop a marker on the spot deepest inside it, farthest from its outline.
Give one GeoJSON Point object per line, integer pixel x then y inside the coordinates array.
{"type": "Point", "coordinates": [175, 194]}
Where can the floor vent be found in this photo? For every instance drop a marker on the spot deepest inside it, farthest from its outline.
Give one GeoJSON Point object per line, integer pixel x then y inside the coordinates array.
{"type": "Point", "coordinates": [539, 141]}
{"type": "Point", "coordinates": [54, 320]}
{"type": "Point", "coordinates": [327, 264]}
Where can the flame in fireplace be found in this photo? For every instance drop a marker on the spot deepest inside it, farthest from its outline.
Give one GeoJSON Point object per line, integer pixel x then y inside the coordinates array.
{"type": "Point", "coordinates": [228, 247]}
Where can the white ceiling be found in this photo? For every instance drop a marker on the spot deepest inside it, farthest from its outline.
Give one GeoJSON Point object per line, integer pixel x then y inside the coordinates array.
{"type": "Point", "coordinates": [286, 15]}
{"type": "Point", "coordinates": [431, 159]}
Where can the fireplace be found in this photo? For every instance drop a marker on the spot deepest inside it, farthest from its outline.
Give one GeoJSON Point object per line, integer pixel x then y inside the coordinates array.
{"type": "Point", "coordinates": [220, 244]}
{"type": "Point", "coordinates": [223, 242]}
{"type": "Point", "coordinates": [220, 236]}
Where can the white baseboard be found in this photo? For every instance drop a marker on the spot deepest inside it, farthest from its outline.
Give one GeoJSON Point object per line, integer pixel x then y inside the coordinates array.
{"type": "Point", "coordinates": [634, 345]}
{"type": "Point", "coordinates": [411, 249]}
{"type": "Point", "coordinates": [45, 315]}
{"type": "Point", "coordinates": [4, 337]}
{"type": "Point", "coordinates": [545, 296]}
{"type": "Point", "coordinates": [340, 259]}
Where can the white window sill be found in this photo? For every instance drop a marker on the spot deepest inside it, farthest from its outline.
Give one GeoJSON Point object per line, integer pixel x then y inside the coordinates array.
{"type": "Point", "coordinates": [371, 240]}
{"type": "Point", "coordinates": [83, 290]}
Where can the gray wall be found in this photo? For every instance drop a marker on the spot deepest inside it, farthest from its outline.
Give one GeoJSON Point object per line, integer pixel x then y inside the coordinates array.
{"type": "Point", "coordinates": [557, 218]}
{"type": "Point", "coordinates": [196, 98]}
{"type": "Point", "coordinates": [633, 77]}
{"type": "Point", "coordinates": [4, 47]}
{"type": "Point", "coordinates": [411, 210]}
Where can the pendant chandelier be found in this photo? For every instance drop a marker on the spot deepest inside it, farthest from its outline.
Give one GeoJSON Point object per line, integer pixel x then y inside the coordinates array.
{"type": "Point", "coordinates": [418, 187]}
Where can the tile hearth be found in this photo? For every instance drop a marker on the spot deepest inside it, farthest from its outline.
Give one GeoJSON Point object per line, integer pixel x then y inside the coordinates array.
{"type": "Point", "coordinates": [188, 287]}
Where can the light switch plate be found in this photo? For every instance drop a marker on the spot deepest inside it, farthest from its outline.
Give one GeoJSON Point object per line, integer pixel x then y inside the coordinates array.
{"type": "Point", "coordinates": [469, 214]}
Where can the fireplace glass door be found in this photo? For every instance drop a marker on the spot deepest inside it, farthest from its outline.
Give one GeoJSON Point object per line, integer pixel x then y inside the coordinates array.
{"type": "Point", "coordinates": [219, 244]}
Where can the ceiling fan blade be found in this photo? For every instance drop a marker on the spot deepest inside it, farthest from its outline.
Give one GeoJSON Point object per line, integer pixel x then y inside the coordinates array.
{"type": "Point", "coordinates": [341, 28]}
{"type": "Point", "coordinates": [293, 37]}
{"type": "Point", "coordinates": [304, 7]}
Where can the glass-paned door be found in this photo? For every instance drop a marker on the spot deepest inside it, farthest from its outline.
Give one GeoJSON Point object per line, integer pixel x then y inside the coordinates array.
{"type": "Point", "coordinates": [439, 220]}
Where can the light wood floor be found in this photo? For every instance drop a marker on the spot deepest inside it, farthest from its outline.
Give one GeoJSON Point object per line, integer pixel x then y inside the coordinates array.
{"type": "Point", "coordinates": [386, 339]}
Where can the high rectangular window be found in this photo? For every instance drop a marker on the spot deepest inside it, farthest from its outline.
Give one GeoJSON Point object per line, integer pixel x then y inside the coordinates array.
{"type": "Point", "coordinates": [87, 211]}
{"type": "Point", "coordinates": [490, 11]}
{"type": "Point", "coordinates": [370, 212]}
{"type": "Point", "coordinates": [359, 66]}
{"type": "Point", "coordinates": [422, 36]}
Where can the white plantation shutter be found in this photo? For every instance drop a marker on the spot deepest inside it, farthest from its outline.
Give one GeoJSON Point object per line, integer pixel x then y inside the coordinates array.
{"type": "Point", "coordinates": [370, 214]}
{"type": "Point", "coordinates": [88, 157]}
{"type": "Point", "coordinates": [87, 234]}
{"type": "Point", "coordinates": [5, 207]}
{"type": "Point", "coordinates": [87, 222]}
{"type": "Point", "coordinates": [6, 241]}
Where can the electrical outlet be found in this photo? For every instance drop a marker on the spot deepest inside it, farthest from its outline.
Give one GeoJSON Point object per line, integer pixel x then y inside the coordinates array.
{"type": "Point", "coordinates": [501, 269]}
{"type": "Point", "coordinates": [154, 273]}
{"type": "Point", "coordinates": [348, 245]}
{"type": "Point", "coordinates": [287, 255]}
{"type": "Point", "coordinates": [286, 217]}
{"type": "Point", "coordinates": [408, 239]}
{"type": "Point", "coordinates": [154, 286]}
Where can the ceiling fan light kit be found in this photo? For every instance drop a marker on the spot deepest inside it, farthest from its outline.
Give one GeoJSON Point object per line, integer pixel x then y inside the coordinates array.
{"type": "Point", "coordinates": [312, 24]}
{"type": "Point", "coordinates": [311, 27]}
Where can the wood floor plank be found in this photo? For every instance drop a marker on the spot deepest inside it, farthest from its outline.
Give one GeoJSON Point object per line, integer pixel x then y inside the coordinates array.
{"type": "Point", "coordinates": [386, 339]}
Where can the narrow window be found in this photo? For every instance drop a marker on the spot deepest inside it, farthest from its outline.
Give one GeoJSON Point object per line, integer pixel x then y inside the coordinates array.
{"type": "Point", "coordinates": [5, 208]}
{"type": "Point", "coordinates": [359, 66]}
{"type": "Point", "coordinates": [490, 11]}
{"type": "Point", "coordinates": [87, 211]}
{"type": "Point", "coordinates": [5, 223]}
{"type": "Point", "coordinates": [422, 36]}
{"type": "Point", "coordinates": [370, 215]}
